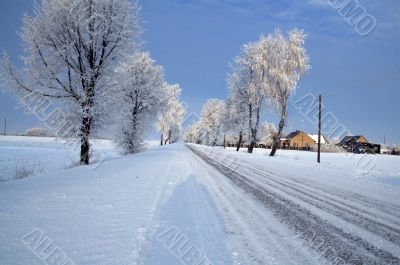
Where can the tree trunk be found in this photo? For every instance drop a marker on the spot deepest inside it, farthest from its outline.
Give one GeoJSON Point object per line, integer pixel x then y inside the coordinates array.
{"type": "Point", "coordinates": [279, 134]}
{"type": "Point", "coordinates": [169, 136]}
{"type": "Point", "coordinates": [254, 131]}
{"type": "Point", "coordinates": [162, 138]}
{"type": "Point", "coordinates": [87, 120]}
{"type": "Point", "coordinates": [85, 146]}
{"type": "Point", "coordinates": [84, 151]}
{"type": "Point", "coordinates": [214, 142]}
{"type": "Point", "coordinates": [249, 149]}
{"type": "Point", "coordinates": [252, 143]}
{"type": "Point", "coordinates": [239, 142]}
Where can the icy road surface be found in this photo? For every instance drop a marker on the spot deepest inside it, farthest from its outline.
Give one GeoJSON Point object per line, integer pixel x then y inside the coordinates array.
{"type": "Point", "coordinates": [277, 215]}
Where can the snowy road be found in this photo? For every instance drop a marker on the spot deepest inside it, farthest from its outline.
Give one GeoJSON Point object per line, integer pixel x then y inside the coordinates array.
{"type": "Point", "coordinates": [328, 224]}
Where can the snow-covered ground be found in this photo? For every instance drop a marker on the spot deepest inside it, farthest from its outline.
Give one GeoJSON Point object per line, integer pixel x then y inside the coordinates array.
{"type": "Point", "coordinates": [170, 205]}
{"type": "Point", "coordinates": [112, 214]}
{"type": "Point", "coordinates": [46, 154]}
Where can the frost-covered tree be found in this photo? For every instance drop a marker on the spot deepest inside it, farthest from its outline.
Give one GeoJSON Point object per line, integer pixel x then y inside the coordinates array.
{"type": "Point", "coordinates": [192, 133]}
{"type": "Point", "coordinates": [236, 120]}
{"type": "Point", "coordinates": [72, 47]}
{"type": "Point", "coordinates": [196, 133]}
{"type": "Point", "coordinates": [285, 61]}
{"type": "Point", "coordinates": [245, 88]}
{"type": "Point", "coordinates": [171, 118]}
{"type": "Point", "coordinates": [140, 99]}
{"type": "Point", "coordinates": [268, 69]}
{"type": "Point", "coordinates": [268, 132]}
{"type": "Point", "coordinates": [212, 119]}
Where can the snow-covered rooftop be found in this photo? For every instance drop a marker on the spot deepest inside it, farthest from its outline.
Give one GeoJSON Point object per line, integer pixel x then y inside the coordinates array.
{"type": "Point", "coordinates": [315, 138]}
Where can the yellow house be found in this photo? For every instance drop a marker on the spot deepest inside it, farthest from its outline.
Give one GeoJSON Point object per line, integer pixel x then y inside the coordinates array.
{"type": "Point", "coordinates": [297, 140]}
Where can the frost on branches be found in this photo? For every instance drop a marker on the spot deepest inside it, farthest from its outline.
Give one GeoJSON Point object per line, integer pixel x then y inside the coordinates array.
{"type": "Point", "coordinates": [171, 118]}
{"type": "Point", "coordinates": [245, 89]}
{"type": "Point", "coordinates": [196, 133]}
{"type": "Point", "coordinates": [212, 121]}
{"type": "Point", "coordinates": [266, 71]}
{"type": "Point", "coordinates": [268, 132]}
{"type": "Point", "coordinates": [72, 48]}
{"type": "Point", "coordinates": [209, 129]}
{"type": "Point", "coordinates": [287, 61]}
{"type": "Point", "coordinates": [236, 120]}
{"type": "Point", "coordinates": [140, 99]}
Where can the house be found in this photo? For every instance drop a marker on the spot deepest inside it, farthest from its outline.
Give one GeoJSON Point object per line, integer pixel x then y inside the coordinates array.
{"type": "Point", "coordinates": [351, 140]}
{"type": "Point", "coordinates": [359, 144]}
{"type": "Point", "coordinates": [297, 140]}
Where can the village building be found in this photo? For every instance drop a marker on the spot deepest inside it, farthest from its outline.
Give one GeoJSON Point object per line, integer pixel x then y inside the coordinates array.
{"type": "Point", "coordinates": [359, 144]}
{"type": "Point", "coordinates": [300, 140]}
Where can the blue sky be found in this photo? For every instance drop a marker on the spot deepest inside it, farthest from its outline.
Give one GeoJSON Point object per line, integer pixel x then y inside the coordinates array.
{"type": "Point", "coordinates": [195, 41]}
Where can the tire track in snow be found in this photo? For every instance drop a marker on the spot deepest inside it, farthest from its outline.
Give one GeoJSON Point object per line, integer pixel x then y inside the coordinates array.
{"type": "Point", "coordinates": [349, 213]}
{"type": "Point", "coordinates": [386, 208]}
{"type": "Point", "coordinates": [348, 247]}
{"type": "Point", "coordinates": [329, 202]}
{"type": "Point", "coordinates": [249, 228]}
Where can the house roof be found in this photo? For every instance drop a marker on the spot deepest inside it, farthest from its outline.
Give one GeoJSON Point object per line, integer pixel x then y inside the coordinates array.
{"type": "Point", "coordinates": [315, 138]}
{"type": "Point", "coordinates": [292, 134]}
{"type": "Point", "coordinates": [350, 139]}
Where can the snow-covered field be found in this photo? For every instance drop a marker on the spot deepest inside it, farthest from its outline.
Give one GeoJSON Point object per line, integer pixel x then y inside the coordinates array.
{"type": "Point", "coordinates": [170, 205]}
{"type": "Point", "coordinates": [46, 154]}
{"type": "Point", "coordinates": [42, 154]}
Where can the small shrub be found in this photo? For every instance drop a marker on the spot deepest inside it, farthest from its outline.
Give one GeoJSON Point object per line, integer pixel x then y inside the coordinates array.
{"type": "Point", "coordinates": [72, 164]}
{"type": "Point", "coordinates": [25, 168]}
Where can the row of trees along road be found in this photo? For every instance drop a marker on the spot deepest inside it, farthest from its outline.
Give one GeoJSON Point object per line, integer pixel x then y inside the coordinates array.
{"type": "Point", "coordinates": [264, 75]}
{"type": "Point", "coordinates": [84, 56]}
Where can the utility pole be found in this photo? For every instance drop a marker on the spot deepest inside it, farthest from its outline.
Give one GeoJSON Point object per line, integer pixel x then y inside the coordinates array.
{"type": "Point", "coordinates": [384, 139]}
{"type": "Point", "coordinates": [5, 126]}
{"type": "Point", "coordinates": [319, 127]}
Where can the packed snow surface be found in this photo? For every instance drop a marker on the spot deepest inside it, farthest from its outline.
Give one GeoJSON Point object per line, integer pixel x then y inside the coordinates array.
{"type": "Point", "coordinates": [281, 210]}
